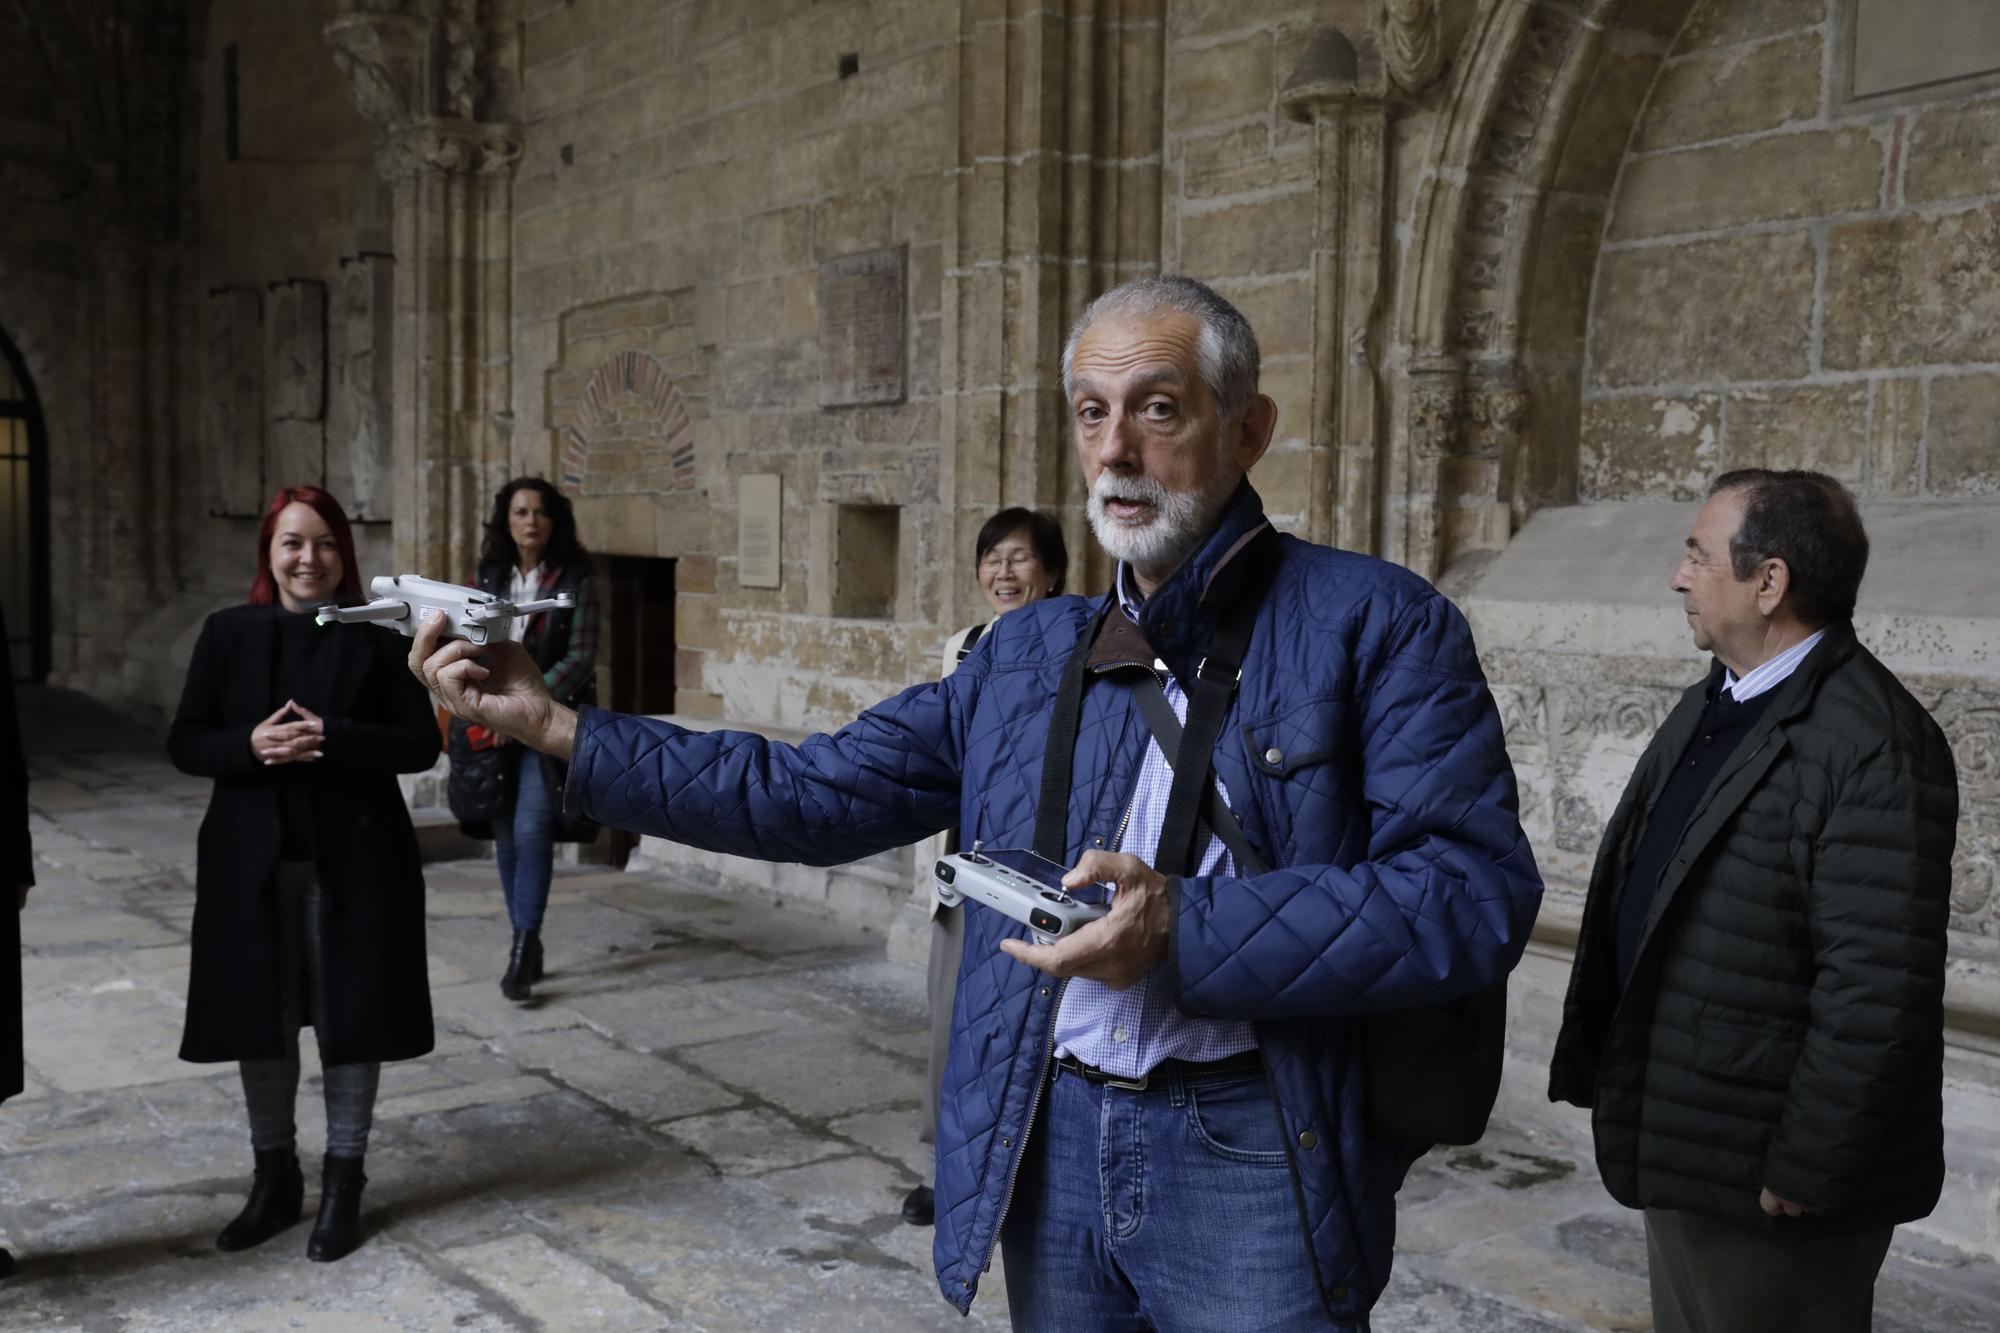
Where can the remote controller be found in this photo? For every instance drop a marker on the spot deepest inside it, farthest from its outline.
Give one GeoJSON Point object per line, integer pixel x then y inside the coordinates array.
{"type": "Point", "coordinates": [1025, 886]}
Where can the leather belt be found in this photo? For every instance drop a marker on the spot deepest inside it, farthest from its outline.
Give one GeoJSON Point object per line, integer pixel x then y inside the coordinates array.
{"type": "Point", "coordinates": [1243, 1062]}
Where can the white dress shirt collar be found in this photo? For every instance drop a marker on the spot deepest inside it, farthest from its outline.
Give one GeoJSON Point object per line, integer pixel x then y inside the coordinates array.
{"type": "Point", "coordinates": [1772, 673]}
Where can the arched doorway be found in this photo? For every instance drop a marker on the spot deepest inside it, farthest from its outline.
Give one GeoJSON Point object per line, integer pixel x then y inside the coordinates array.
{"type": "Point", "coordinates": [24, 518]}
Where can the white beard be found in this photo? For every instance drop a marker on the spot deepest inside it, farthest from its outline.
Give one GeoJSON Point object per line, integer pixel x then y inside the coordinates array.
{"type": "Point", "coordinates": [1179, 522]}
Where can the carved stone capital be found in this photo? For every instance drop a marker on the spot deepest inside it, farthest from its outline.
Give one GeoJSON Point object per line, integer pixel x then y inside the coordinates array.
{"type": "Point", "coordinates": [1496, 412]}
{"type": "Point", "coordinates": [453, 148]}
{"type": "Point", "coordinates": [387, 60]}
{"type": "Point", "coordinates": [1412, 42]}
{"type": "Point", "coordinates": [1436, 405]}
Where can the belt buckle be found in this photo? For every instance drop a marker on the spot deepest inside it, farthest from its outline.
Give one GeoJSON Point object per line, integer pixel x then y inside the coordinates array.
{"type": "Point", "coordinates": [1129, 1084]}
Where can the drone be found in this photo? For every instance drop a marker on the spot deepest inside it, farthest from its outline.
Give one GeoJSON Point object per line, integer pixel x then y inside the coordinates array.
{"type": "Point", "coordinates": [469, 614]}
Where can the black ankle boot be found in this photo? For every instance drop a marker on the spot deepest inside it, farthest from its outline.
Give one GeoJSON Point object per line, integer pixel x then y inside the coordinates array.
{"type": "Point", "coordinates": [338, 1230]}
{"type": "Point", "coordinates": [524, 964]}
{"type": "Point", "coordinates": [277, 1197]}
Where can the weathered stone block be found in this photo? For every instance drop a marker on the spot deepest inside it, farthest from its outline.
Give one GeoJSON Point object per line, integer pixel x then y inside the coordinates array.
{"type": "Point", "coordinates": [1771, 179]}
{"type": "Point", "coordinates": [857, 220]}
{"type": "Point", "coordinates": [1733, 309]}
{"type": "Point", "coordinates": [1650, 448]}
{"type": "Point", "coordinates": [1954, 153]}
{"type": "Point", "coordinates": [1716, 94]}
{"type": "Point", "coordinates": [1914, 290]}
{"type": "Point", "coordinates": [1216, 83]}
{"type": "Point", "coordinates": [1824, 428]}
{"type": "Point", "coordinates": [1964, 436]}
{"type": "Point", "coordinates": [1895, 436]}
{"type": "Point", "coordinates": [1271, 236]}
{"type": "Point", "coordinates": [1715, 22]}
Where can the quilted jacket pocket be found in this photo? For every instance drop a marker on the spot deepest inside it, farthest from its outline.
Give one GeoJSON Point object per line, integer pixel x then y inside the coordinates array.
{"type": "Point", "coordinates": [1746, 1051]}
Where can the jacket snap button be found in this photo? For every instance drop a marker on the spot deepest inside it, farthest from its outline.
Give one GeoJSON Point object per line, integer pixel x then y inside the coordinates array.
{"type": "Point", "coordinates": [1308, 1140]}
{"type": "Point", "coordinates": [1274, 755]}
{"type": "Point", "coordinates": [1097, 842]}
{"type": "Point", "coordinates": [1045, 992]}
{"type": "Point", "coordinates": [1006, 1143]}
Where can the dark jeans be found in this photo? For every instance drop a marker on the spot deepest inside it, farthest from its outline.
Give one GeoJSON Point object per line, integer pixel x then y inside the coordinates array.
{"type": "Point", "coordinates": [1167, 1209]}
{"type": "Point", "coordinates": [524, 843]}
{"type": "Point", "coordinates": [1712, 1275]}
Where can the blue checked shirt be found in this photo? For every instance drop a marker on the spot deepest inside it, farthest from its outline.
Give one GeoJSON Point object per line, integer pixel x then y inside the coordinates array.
{"type": "Point", "coordinates": [1128, 1032]}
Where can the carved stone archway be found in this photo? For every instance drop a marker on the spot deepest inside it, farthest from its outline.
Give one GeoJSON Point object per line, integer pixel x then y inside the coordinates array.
{"type": "Point", "coordinates": [1506, 225]}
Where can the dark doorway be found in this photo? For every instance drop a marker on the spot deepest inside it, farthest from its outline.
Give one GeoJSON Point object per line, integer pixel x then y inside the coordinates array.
{"type": "Point", "coordinates": [24, 518]}
{"type": "Point", "coordinates": [635, 663]}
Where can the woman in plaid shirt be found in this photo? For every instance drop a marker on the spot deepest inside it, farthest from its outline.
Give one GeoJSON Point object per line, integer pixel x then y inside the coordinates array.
{"type": "Point", "coordinates": [531, 550]}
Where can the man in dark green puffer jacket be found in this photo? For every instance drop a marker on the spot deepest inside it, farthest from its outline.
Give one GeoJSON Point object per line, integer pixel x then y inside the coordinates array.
{"type": "Point", "coordinates": [1756, 1013]}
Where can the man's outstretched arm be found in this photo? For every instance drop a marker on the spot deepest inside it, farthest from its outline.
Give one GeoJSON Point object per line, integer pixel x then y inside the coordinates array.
{"type": "Point", "coordinates": [883, 781]}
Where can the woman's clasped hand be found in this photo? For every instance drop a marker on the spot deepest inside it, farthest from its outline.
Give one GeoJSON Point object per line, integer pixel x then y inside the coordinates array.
{"type": "Point", "coordinates": [291, 735]}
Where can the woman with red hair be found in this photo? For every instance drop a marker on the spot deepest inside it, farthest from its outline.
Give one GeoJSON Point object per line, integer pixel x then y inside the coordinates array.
{"type": "Point", "coordinates": [309, 898]}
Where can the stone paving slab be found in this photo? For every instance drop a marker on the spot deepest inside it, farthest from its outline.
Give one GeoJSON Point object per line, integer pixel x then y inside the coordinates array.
{"type": "Point", "coordinates": [705, 1121]}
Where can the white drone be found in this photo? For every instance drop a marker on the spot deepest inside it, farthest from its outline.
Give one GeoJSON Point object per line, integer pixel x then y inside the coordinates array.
{"type": "Point", "coordinates": [469, 614]}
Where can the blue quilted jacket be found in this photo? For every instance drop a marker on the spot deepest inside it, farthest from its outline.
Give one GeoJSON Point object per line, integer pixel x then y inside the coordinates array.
{"type": "Point", "coordinates": [1364, 758]}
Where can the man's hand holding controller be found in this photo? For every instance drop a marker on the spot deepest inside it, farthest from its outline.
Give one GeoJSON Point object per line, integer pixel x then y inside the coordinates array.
{"type": "Point", "coordinates": [497, 686]}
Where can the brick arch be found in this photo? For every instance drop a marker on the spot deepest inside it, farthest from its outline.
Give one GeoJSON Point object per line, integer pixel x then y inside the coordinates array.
{"type": "Point", "coordinates": [1496, 285]}
{"type": "Point", "coordinates": [639, 374]}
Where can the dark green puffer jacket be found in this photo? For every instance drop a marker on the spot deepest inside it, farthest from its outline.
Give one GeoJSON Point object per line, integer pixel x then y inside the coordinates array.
{"type": "Point", "coordinates": [1784, 1023]}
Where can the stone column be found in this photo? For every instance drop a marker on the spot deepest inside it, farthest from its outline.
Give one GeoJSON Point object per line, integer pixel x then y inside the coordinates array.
{"type": "Point", "coordinates": [1055, 197]}
{"type": "Point", "coordinates": [1347, 108]}
{"type": "Point", "coordinates": [422, 78]}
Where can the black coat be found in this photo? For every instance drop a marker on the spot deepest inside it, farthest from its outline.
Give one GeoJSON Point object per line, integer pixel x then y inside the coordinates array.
{"type": "Point", "coordinates": [17, 860]}
{"type": "Point", "coordinates": [376, 1001]}
{"type": "Point", "coordinates": [1784, 1022]}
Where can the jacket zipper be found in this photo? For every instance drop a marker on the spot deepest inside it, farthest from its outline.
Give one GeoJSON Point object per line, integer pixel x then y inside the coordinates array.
{"type": "Point", "coordinates": [1020, 1149]}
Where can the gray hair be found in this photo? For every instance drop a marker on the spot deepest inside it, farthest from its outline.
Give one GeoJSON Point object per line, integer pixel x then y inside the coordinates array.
{"type": "Point", "coordinates": [1226, 351]}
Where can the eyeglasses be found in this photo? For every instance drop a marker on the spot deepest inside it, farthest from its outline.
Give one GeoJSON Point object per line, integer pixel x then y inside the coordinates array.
{"type": "Point", "coordinates": [1010, 561]}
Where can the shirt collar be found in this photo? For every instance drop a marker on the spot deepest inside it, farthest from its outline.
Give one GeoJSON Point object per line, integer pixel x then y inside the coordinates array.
{"type": "Point", "coordinates": [1772, 673]}
{"type": "Point", "coordinates": [1129, 596]}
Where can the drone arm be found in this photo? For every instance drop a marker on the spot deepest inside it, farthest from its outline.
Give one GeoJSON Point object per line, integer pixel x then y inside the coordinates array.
{"type": "Point", "coordinates": [387, 608]}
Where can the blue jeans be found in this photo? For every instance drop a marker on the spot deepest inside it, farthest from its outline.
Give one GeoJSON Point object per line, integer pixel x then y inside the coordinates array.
{"type": "Point", "coordinates": [524, 844]}
{"type": "Point", "coordinates": [1169, 1209]}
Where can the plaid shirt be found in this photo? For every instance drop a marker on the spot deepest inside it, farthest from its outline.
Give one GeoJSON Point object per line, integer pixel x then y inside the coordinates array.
{"type": "Point", "coordinates": [1128, 1032]}
{"type": "Point", "coordinates": [574, 668]}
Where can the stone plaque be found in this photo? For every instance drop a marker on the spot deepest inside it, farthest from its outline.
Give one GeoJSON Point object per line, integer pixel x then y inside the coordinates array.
{"type": "Point", "coordinates": [1904, 44]}
{"type": "Point", "coordinates": [861, 305]}
{"type": "Point", "coordinates": [295, 351]}
{"type": "Point", "coordinates": [759, 523]}
{"type": "Point", "coordinates": [232, 409]}
{"type": "Point", "coordinates": [358, 457]}
{"type": "Point", "coordinates": [295, 384]}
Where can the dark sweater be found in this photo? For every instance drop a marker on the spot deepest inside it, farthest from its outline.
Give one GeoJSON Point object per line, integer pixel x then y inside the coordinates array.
{"type": "Point", "coordinates": [1724, 724]}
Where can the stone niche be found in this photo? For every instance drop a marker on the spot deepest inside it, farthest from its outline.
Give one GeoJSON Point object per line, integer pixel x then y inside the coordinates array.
{"type": "Point", "coordinates": [625, 402]}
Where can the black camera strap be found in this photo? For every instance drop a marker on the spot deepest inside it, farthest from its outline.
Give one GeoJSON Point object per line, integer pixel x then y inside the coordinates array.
{"type": "Point", "coordinates": [1192, 746]}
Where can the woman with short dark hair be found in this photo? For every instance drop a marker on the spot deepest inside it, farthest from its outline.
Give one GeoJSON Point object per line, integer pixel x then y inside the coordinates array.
{"type": "Point", "coordinates": [309, 894]}
{"type": "Point", "coordinates": [1019, 557]}
{"type": "Point", "coordinates": [531, 550]}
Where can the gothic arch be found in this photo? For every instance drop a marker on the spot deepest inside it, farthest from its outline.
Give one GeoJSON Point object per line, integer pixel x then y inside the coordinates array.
{"type": "Point", "coordinates": [663, 441]}
{"type": "Point", "coordinates": [1507, 221]}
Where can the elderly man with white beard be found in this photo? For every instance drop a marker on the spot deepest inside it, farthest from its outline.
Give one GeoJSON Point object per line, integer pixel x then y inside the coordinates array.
{"type": "Point", "coordinates": [1283, 758]}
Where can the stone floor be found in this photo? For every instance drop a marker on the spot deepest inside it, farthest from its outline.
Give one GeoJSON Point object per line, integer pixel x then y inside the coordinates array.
{"type": "Point", "coordinates": [706, 1122]}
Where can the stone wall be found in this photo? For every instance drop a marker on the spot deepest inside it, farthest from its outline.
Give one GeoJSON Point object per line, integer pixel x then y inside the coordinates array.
{"type": "Point", "coordinates": [670, 236]}
{"type": "Point", "coordinates": [1793, 279]}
